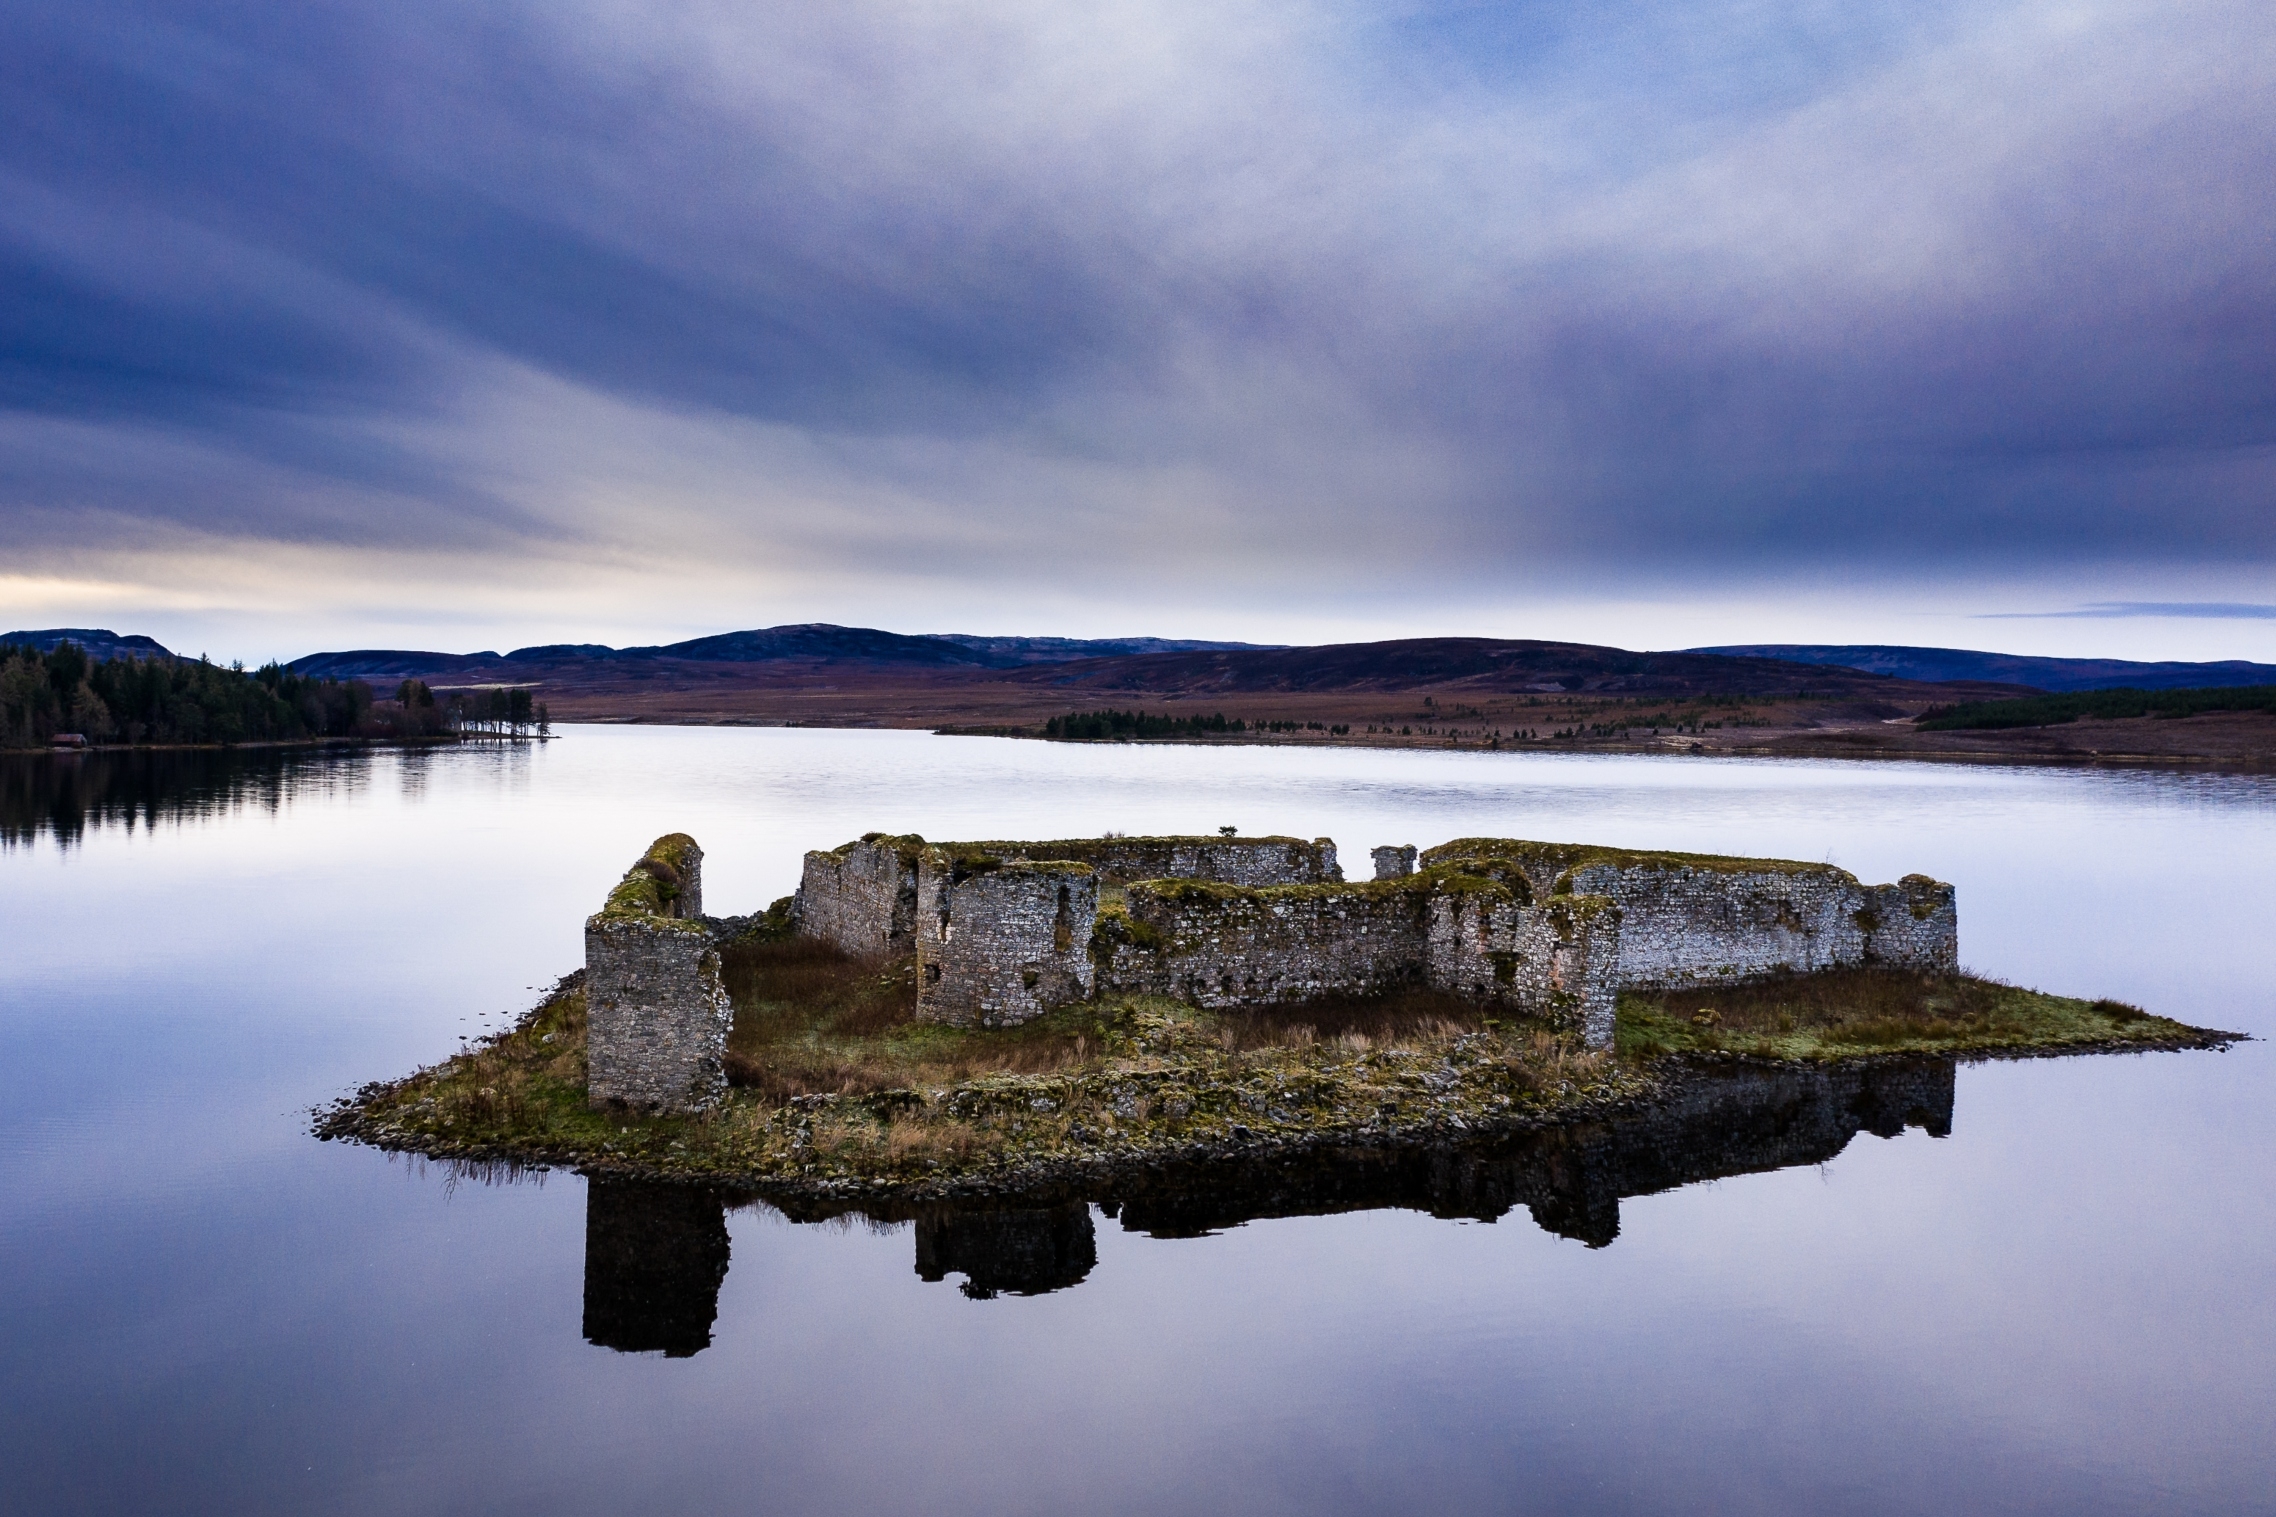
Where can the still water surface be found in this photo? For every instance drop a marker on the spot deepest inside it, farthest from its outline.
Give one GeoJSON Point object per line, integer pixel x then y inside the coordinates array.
{"type": "Point", "coordinates": [2066, 1305]}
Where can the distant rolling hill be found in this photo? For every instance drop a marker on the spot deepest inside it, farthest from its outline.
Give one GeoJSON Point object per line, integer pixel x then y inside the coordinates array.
{"type": "Point", "coordinates": [1126, 668]}
{"type": "Point", "coordinates": [99, 642]}
{"type": "Point", "coordinates": [1462, 665]}
{"type": "Point", "coordinates": [810, 643]}
{"type": "Point", "coordinates": [2056, 674]}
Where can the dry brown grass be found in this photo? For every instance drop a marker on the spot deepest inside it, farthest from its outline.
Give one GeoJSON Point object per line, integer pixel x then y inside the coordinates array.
{"type": "Point", "coordinates": [1854, 1000]}
{"type": "Point", "coordinates": [496, 1082]}
{"type": "Point", "coordinates": [1414, 1017]}
{"type": "Point", "coordinates": [1862, 1010]}
{"type": "Point", "coordinates": [811, 1020]}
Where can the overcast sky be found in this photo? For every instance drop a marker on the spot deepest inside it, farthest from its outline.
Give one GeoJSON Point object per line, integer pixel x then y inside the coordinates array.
{"type": "Point", "coordinates": [478, 324]}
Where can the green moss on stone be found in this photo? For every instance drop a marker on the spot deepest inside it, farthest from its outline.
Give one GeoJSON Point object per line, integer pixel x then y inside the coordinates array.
{"type": "Point", "coordinates": [651, 887]}
{"type": "Point", "coordinates": [1564, 857]}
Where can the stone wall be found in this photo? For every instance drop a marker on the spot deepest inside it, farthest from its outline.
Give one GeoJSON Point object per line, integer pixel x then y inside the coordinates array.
{"type": "Point", "coordinates": [1225, 860]}
{"type": "Point", "coordinates": [656, 1013]}
{"type": "Point", "coordinates": [1000, 943]}
{"type": "Point", "coordinates": [1914, 923]}
{"type": "Point", "coordinates": [1226, 948]}
{"type": "Point", "coordinates": [862, 896]}
{"type": "Point", "coordinates": [1701, 919]}
{"type": "Point", "coordinates": [1559, 959]}
{"type": "Point", "coordinates": [1557, 930]}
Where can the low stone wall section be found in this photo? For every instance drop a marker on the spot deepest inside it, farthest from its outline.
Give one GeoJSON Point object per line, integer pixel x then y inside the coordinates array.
{"type": "Point", "coordinates": [656, 1011]}
{"type": "Point", "coordinates": [1690, 920]}
{"type": "Point", "coordinates": [1224, 946]}
{"type": "Point", "coordinates": [1227, 861]}
{"type": "Point", "coordinates": [1228, 948]}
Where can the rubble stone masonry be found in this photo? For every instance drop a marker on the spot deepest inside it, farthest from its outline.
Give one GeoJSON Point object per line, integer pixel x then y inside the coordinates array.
{"type": "Point", "coordinates": [1691, 920]}
{"type": "Point", "coordinates": [1005, 931]}
{"type": "Point", "coordinates": [1001, 943]}
{"type": "Point", "coordinates": [1226, 948]}
{"type": "Point", "coordinates": [862, 896]}
{"type": "Point", "coordinates": [1223, 946]}
{"type": "Point", "coordinates": [656, 1012]}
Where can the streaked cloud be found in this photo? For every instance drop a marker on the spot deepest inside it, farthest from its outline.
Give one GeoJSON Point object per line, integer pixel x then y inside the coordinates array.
{"type": "Point", "coordinates": [2201, 610]}
{"type": "Point", "coordinates": [1270, 300]}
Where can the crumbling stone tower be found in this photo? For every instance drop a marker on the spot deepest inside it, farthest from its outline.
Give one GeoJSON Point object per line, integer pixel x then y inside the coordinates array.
{"type": "Point", "coordinates": [656, 1012]}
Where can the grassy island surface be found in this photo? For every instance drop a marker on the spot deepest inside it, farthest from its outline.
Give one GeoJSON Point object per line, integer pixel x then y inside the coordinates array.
{"type": "Point", "coordinates": [836, 1087]}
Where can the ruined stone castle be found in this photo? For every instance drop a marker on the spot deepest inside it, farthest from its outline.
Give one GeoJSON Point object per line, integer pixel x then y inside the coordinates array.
{"type": "Point", "coordinates": [1005, 931]}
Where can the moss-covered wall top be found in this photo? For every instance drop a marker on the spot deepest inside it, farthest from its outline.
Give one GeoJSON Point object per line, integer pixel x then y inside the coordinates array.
{"type": "Point", "coordinates": [1544, 862]}
{"type": "Point", "coordinates": [665, 882]}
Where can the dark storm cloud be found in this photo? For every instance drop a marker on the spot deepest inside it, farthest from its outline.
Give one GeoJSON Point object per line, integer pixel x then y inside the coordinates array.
{"type": "Point", "coordinates": [1706, 288]}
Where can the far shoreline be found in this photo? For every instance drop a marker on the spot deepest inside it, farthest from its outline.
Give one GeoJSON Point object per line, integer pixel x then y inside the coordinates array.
{"type": "Point", "coordinates": [2008, 748]}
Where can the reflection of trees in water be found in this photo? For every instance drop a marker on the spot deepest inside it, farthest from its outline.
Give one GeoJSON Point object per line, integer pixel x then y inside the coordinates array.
{"type": "Point", "coordinates": [655, 1254]}
{"type": "Point", "coordinates": [63, 794]}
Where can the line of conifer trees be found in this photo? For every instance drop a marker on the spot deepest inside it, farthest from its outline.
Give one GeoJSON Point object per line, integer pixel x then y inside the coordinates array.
{"type": "Point", "coordinates": [1093, 726]}
{"type": "Point", "coordinates": [165, 700]}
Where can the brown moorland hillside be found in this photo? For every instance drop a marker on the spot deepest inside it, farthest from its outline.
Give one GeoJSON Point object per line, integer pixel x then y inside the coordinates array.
{"type": "Point", "coordinates": [1473, 693]}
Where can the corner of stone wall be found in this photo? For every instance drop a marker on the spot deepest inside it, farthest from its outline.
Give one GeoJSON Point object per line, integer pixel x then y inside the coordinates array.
{"type": "Point", "coordinates": [1393, 861]}
{"type": "Point", "coordinates": [656, 1008]}
{"type": "Point", "coordinates": [1585, 964]}
{"type": "Point", "coordinates": [1913, 924]}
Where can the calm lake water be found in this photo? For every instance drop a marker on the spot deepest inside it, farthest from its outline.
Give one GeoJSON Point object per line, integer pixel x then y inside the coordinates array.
{"type": "Point", "coordinates": [2068, 1304]}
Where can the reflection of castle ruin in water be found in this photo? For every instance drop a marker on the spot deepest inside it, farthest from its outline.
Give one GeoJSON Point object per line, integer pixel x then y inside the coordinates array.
{"type": "Point", "coordinates": [654, 1257]}
{"type": "Point", "coordinates": [655, 1254]}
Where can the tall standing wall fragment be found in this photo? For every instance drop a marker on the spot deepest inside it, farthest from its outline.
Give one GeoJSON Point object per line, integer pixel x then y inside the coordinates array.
{"type": "Point", "coordinates": [656, 1012]}
{"type": "Point", "coordinates": [1002, 943]}
{"type": "Point", "coordinates": [1394, 861]}
{"type": "Point", "coordinates": [1558, 959]}
{"type": "Point", "coordinates": [862, 897]}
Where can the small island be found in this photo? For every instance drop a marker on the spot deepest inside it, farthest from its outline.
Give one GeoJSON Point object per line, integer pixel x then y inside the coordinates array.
{"type": "Point", "coordinates": [935, 1020]}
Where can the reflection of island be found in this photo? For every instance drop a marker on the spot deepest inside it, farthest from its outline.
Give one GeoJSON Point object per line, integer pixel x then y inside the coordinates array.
{"type": "Point", "coordinates": [1735, 1121]}
{"type": "Point", "coordinates": [656, 1253]}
